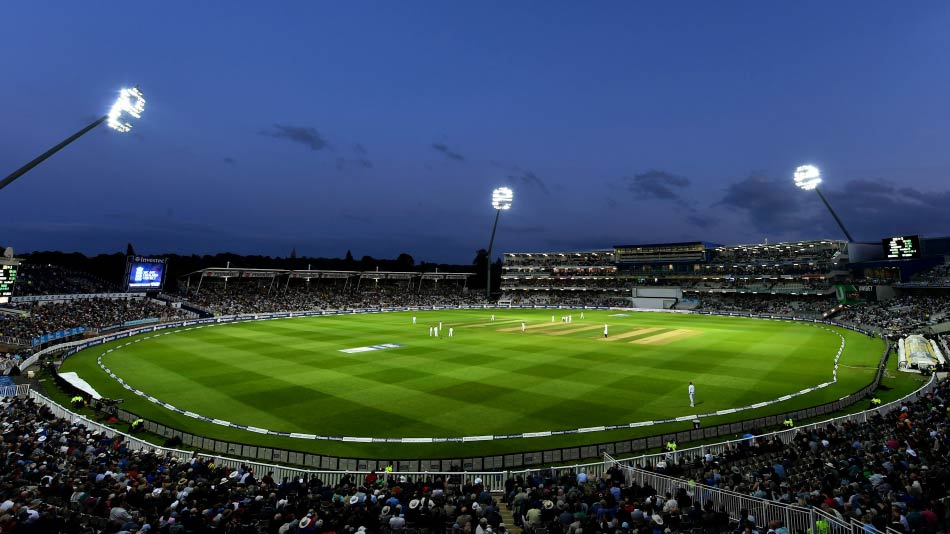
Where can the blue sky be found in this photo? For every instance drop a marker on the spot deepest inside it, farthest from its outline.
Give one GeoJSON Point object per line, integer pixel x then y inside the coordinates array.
{"type": "Point", "coordinates": [383, 127]}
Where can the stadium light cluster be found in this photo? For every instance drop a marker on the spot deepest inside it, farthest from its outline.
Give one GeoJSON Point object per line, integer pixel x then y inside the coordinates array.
{"type": "Point", "coordinates": [807, 177]}
{"type": "Point", "coordinates": [130, 102]}
{"type": "Point", "coordinates": [501, 198]}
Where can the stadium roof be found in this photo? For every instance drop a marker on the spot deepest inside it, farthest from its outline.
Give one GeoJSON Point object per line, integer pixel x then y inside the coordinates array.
{"type": "Point", "coordinates": [680, 244]}
{"type": "Point", "coordinates": [241, 272]}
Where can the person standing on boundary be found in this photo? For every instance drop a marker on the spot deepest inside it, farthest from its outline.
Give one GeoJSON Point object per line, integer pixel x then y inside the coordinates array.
{"type": "Point", "coordinates": [605, 331]}
{"type": "Point", "coordinates": [413, 319]}
{"type": "Point", "coordinates": [522, 327]}
{"type": "Point", "coordinates": [692, 395]}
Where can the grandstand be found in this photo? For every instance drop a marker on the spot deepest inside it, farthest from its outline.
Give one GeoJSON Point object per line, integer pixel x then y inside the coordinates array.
{"type": "Point", "coordinates": [804, 268]}
{"type": "Point", "coordinates": [776, 478]}
{"type": "Point", "coordinates": [228, 291]}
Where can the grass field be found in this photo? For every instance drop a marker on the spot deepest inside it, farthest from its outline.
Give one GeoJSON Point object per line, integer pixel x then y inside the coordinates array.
{"type": "Point", "coordinates": [490, 378]}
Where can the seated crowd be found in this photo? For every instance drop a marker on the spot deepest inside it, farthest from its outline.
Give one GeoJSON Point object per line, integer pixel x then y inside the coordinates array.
{"type": "Point", "coordinates": [59, 477]}
{"type": "Point", "coordinates": [891, 472]}
{"type": "Point", "coordinates": [43, 279]}
{"type": "Point", "coordinates": [239, 298]}
{"type": "Point", "coordinates": [810, 307]}
{"type": "Point", "coordinates": [50, 317]}
{"type": "Point", "coordinates": [900, 315]}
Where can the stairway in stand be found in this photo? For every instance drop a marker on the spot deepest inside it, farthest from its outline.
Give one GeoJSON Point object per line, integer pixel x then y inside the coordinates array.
{"type": "Point", "coordinates": [508, 519]}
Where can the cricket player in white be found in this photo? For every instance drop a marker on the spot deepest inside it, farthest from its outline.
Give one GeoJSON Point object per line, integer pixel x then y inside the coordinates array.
{"type": "Point", "coordinates": [413, 319]}
{"type": "Point", "coordinates": [440, 325]}
{"type": "Point", "coordinates": [605, 330]}
{"type": "Point", "coordinates": [522, 327]}
{"type": "Point", "coordinates": [430, 331]}
{"type": "Point", "coordinates": [436, 330]}
{"type": "Point", "coordinates": [552, 318]}
{"type": "Point", "coordinates": [582, 315]}
{"type": "Point", "coordinates": [451, 331]}
{"type": "Point", "coordinates": [493, 317]}
{"type": "Point", "coordinates": [692, 395]}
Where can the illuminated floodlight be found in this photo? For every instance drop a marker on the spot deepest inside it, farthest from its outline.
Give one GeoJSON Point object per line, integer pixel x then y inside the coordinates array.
{"type": "Point", "coordinates": [129, 105]}
{"type": "Point", "coordinates": [807, 177]}
{"type": "Point", "coordinates": [130, 102]}
{"type": "Point", "coordinates": [502, 198]}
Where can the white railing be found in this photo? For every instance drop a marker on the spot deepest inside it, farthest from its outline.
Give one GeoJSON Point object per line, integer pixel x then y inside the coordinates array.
{"type": "Point", "coordinates": [795, 518]}
{"type": "Point", "coordinates": [785, 436]}
{"type": "Point", "coordinates": [493, 480]}
{"type": "Point", "coordinates": [19, 390]}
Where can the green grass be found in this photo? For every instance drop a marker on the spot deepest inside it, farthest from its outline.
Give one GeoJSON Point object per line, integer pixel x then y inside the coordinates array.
{"type": "Point", "coordinates": [288, 375]}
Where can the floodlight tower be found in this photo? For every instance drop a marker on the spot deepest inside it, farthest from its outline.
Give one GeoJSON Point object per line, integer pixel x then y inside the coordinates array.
{"type": "Point", "coordinates": [808, 177]}
{"type": "Point", "coordinates": [130, 103]}
{"type": "Point", "coordinates": [501, 199]}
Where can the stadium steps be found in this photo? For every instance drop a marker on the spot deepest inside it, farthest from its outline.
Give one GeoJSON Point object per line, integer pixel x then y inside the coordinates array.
{"type": "Point", "coordinates": [508, 518]}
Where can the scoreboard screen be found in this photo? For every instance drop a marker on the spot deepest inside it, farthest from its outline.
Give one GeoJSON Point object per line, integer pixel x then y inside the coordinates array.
{"type": "Point", "coordinates": [7, 278]}
{"type": "Point", "coordinates": [901, 247]}
{"type": "Point", "coordinates": [145, 274]}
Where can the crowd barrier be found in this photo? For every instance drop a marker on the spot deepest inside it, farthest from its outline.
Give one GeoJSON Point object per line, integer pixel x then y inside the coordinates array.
{"type": "Point", "coordinates": [796, 518]}
{"type": "Point", "coordinates": [493, 480]}
{"type": "Point", "coordinates": [478, 463]}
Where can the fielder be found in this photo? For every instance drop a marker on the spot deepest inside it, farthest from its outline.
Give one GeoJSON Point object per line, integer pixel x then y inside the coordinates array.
{"type": "Point", "coordinates": [522, 327]}
{"type": "Point", "coordinates": [582, 315]}
{"type": "Point", "coordinates": [605, 331]}
{"type": "Point", "coordinates": [692, 395]}
{"type": "Point", "coordinates": [451, 331]}
{"type": "Point", "coordinates": [430, 331]}
{"type": "Point", "coordinates": [493, 317]}
{"type": "Point", "coordinates": [413, 319]}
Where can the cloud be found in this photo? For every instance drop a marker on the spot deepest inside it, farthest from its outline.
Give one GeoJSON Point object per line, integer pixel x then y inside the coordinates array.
{"type": "Point", "coordinates": [448, 152]}
{"type": "Point", "coordinates": [660, 185]}
{"type": "Point", "coordinates": [229, 160]}
{"type": "Point", "coordinates": [702, 221]}
{"type": "Point", "coordinates": [870, 208]}
{"type": "Point", "coordinates": [873, 209]}
{"type": "Point", "coordinates": [523, 176]}
{"type": "Point", "coordinates": [298, 134]}
{"type": "Point", "coordinates": [768, 204]}
{"type": "Point", "coordinates": [656, 184]}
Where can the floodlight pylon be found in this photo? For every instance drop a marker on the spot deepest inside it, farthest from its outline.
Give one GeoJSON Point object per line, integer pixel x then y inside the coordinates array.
{"type": "Point", "coordinates": [808, 177]}
{"type": "Point", "coordinates": [123, 105]}
{"type": "Point", "coordinates": [501, 199]}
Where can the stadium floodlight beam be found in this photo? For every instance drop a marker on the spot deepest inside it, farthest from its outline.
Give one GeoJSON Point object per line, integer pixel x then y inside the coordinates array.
{"type": "Point", "coordinates": [807, 177]}
{"type": "Point", "coordinates": [501, 199]}
{"type": "Point", "coordinates": [131, 102]}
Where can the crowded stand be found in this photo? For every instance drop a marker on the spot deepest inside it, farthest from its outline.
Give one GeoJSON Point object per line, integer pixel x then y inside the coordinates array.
{"type": "Point", "coordinates": [813, 307]}
{"type": "Point", "coordinates": [891, 472]}
{"type": "Point", "coordinates": [938, 276]}
{"type": "Point", "coordinates": [899, 316]}
{"type": "Point", "coordinates": [42, 279]}
{"type": "Point", "coordinates": [61, 477]}
{"type": "Point", "coordinates": [239, 297]}
{"type": "Point", "coordinates": [43, 318]}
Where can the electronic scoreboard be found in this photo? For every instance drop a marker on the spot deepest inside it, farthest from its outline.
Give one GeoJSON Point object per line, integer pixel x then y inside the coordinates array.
{"type": "Point", "coordinates": [900, 247]}
{"type": "Point", "coordinates": [7, 278]}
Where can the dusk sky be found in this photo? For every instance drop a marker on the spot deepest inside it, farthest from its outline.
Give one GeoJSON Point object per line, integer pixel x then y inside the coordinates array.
{"type": "Point", "coordinates": [383, 127]}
